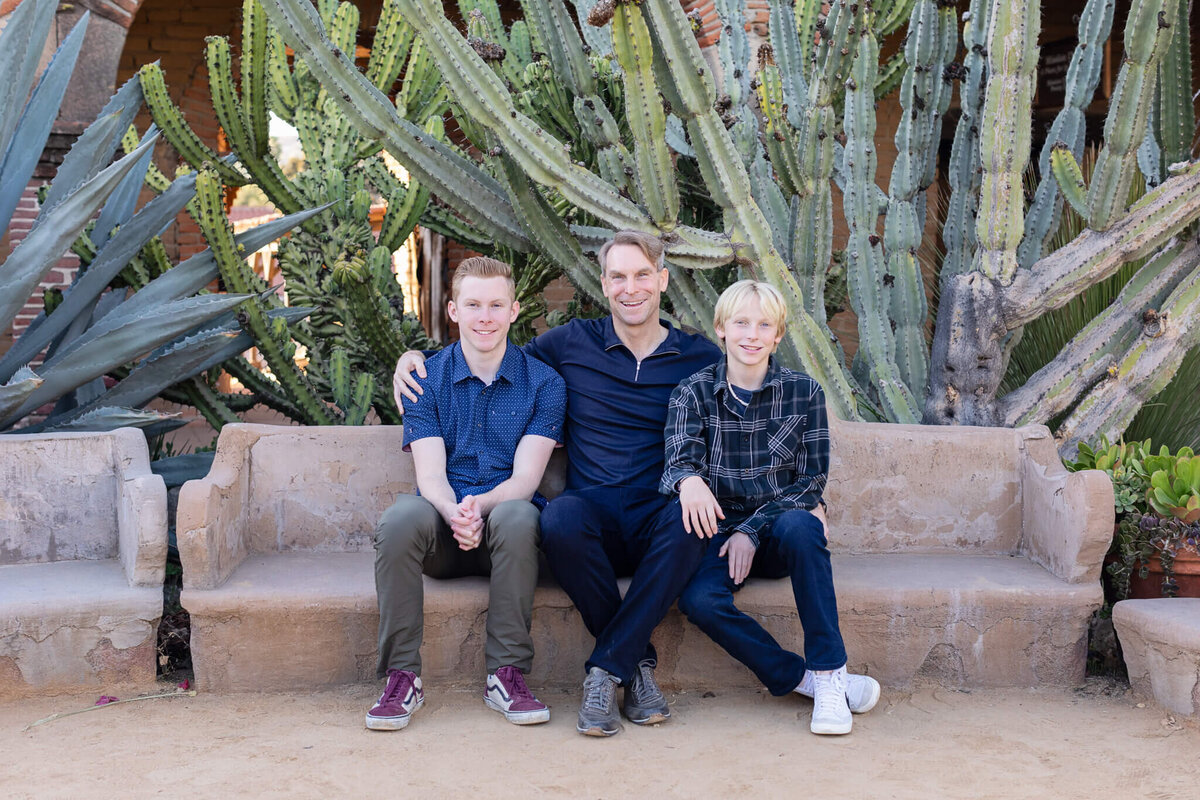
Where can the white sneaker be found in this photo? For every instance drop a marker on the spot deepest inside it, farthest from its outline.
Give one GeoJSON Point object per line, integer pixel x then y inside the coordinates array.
{"type": "Point", "coordinates": [862, 691]}
{"type": "Point", "coordinates": [831, 713]}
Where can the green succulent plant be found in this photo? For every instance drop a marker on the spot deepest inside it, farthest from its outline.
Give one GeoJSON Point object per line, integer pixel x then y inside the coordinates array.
{"type": "Point", "coordinates": [129, 315]}
{"type": "Point", "coordinates": [1175, 487]}
{"type": "Point", "coordinates": [620, 122]}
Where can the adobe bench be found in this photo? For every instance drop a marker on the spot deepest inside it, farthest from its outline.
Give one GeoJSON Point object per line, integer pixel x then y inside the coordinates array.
{"type": "Point", "coordinates": [83, 549]}
{"type": "Point", "coordinates": [965, 556]}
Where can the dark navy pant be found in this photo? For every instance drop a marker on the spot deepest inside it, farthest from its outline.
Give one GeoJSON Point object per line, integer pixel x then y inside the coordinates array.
{"type": "Point", "coordinates": [792, 546]}
{"type": "Point", "coordinates": [593, 536]}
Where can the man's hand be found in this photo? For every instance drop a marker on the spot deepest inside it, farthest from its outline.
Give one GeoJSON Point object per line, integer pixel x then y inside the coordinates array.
{"type": "Point", "coordinates": [466, 524]}
{"type": "Point", "coordinates": [740, 550]}
{"type": "Point", "coordinates": [700, 508]}
{"type": "Point", "coordinates": [403, 382]}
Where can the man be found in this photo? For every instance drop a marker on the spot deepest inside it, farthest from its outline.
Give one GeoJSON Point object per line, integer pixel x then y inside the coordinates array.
{"type": "Point", "coordinates": [611, 521]}
{"type": "Point", "coordinates": [747, 450]}
{"type": "Point", "coordinates": [481, 432]}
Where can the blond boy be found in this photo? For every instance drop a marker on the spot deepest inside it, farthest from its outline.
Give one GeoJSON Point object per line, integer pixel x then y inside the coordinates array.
{"type": "Point", "coordinates": [747, 449]}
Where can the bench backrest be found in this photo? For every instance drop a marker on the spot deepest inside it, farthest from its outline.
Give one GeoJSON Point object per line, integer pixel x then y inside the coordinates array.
{"type": "Point", "coordinates": [892, 488]}
{"type": "Point", "coordinates": [59, 495]}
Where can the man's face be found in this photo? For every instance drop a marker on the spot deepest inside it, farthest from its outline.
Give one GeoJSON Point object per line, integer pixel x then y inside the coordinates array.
{"type": "Point", "coordinates": [484, 309]}
{"type": "Point", "coordinates": [633, 285]}
{"type": "Point", "coordinates": [749, 335]}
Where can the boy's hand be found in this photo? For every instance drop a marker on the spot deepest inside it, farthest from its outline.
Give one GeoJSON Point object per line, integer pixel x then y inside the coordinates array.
{"type": "Point", "coordinates": [818, 511]}
{"type": "Point", "coordinates": [467, 524]}
{"type": "Point", "coordinates": [403, 383]}
{"type": "Point", "coordinates": [741, 555]}
{"type": "Point", "coordinates": [700, 508]}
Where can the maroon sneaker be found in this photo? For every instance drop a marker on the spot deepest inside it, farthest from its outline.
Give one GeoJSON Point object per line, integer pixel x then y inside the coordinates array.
{"type": "Point", "coordinates": [401, 697]}
{"type": "Point", "coordinates": [508, 694]}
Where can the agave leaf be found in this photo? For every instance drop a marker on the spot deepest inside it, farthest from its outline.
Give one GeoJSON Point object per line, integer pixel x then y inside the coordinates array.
{"type": "Point", "coordinates": [29, 137]}
{"type": "Point", "coordinates": [20, 50]}
{"type": "Point", "coordinates": [106, 346]}
{"type": "Point", "coordinates": [13, 393]}
{"type": "Point", "coordinates": [109, 418]}
{"type": "Point", "coordinates": [121, 204]}
{"type": "Point", "coordinates": [178, 470]}
{"type": "Point", "coordinates": [94, 149]}
{"type": "Point", "coordinates": [149, 222]}
{"type": "Point", "coordinates": [45, 244]}
{"type": "Point", "coordinates": [195, 273]}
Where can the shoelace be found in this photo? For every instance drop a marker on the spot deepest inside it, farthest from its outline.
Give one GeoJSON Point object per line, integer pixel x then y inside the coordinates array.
{"type": "Point", "coordinates": [824, 701]}
{"type": "Point", "coordinates": [397, 688]}
{"type": "Point", "coordinates": [598, 692]}
{"type": "Point", "coordinates": [517, 690]}
{"type": "Point", "coordinates": [650, 690]}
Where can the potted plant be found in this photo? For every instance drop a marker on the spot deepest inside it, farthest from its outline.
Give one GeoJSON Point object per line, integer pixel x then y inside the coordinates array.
{"type": "Point", "coordinates": [1157, 497]}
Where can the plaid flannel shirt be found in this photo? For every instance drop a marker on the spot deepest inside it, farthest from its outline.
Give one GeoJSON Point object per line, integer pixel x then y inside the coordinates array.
{"type": "Point", "coordinates": [759, 460]}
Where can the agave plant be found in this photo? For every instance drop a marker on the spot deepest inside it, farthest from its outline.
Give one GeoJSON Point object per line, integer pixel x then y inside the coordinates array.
{"type": "Point", "coordinates": [167, 329]}
{"type": "Point", "coordinates": [557, 176]}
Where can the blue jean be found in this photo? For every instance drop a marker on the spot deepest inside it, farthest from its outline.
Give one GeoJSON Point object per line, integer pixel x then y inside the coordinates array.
{"type": "Point", "coordinates": [593, 536]}
{"type": "Point", "coordinates": [793, 545]}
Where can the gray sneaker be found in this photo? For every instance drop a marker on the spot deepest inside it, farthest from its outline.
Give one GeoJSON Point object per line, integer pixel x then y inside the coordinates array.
{"type": "Point", "coordinates": [645, 703]}
{"type": "Point", "coordinates": [598, 713]}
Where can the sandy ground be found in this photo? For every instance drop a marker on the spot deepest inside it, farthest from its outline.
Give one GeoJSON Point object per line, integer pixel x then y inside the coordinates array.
{"type": "Point", "coordinates": [1094, 742]}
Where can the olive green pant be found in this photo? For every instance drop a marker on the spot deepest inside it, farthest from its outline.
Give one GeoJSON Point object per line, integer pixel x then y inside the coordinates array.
{"type": "Point", "coordinates": [412, 539]}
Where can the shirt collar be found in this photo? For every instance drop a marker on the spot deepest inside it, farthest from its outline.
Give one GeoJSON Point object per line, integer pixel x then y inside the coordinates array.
{"type": "Point", "coordinates": [669, 345]}
{"type": "Point", "coordinates": [459, 371]}
{"type": "Point", "coordinates": [774, 376]}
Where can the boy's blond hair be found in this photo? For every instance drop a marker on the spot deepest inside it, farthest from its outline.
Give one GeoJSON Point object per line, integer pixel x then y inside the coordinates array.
{"type": "Point", "coordinates": [770, 300]}
{"type": "Point", "coordinates": [482, 267]}
{"type": "Point", "coordinates": [651, 247]}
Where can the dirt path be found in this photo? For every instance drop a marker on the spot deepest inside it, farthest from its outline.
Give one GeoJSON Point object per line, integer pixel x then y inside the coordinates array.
{"type": "Point", "coordinates": [928, 744]}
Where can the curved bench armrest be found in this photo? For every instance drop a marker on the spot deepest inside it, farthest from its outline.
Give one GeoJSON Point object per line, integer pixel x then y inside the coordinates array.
{"type": "Point", "coordinates": [1068, 517]}
{"type": "Point", "coordinates": [210, 519]}
{"type": "Point", "coordinates": [141, 511]}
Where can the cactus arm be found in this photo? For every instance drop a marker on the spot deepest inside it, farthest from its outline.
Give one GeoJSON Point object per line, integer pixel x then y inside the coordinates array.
{"type": "Point", "coordinates": [805, 13]}
{"type": "Point", "coordinates": [601, 129]}
{"type": "Point", "coordinates": [404, 209]}
{"type": "Point", "coordinates": [1095, 255]}
{"type": "Point", "coordinates": [548, 229]}
{"type": "Point", "coordinates": [780, 137]}
{"type": "Point", "coordinates": [1148, 33]}
{"type": "Point", "coordinates": [232, 116]}
{"type": "Point", "coordinates": [1176, 118]}
{"type": "Point", "coordinates": [866, 268]}
{"type": "Point", "coordinates": [923, 99]}
{"type": "Point", "coordinates": [210, 216]}
{"type": "Point", "coordinates": [554, 26]}
{"type": "Point", "coordinates": [254, 77]}
{"type": "Point", "coordinates": [891, 16]}
{"type": "Point", "coordinates": [282, 91]}
{"type": "Point", "coordinates": [447, 174]}
{"type": "Point", "coordinates": [391, 46]}
{"type": "Point", "coordinates": [1083, 361]}
{"type": "Point", "coordinates": [1145, 370]}
{"type": "Point", "coordinates": [654, 169]}
{"type": "Point", "coordinates": [1068, 177]}
{"type": "Point", "coordinates": [959, 230]}
{"type": "Point", "coordinates": [1083, 76]}
{"type": "Point", "coordinates": [176, 130]}
{"type": "Point", "coordinates": [267, 390]}
{"type": "Point", "coordinates": [891, 74]}
{"type": "Point", "coordinates": [733, 49]}
{"type": "Point", "coordinates": [791, 56]}
{"type": "Point", "coordinates": [1005, 139]}
{"type": "Point", "coordinates": [598, 38]}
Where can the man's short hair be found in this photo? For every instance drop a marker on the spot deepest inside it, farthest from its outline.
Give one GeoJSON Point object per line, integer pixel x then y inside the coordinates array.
{"type": "Point", "coordinates": [651, 246]}
{"type": "Point", "coordinates": [482, 267]}
{"type": "Point", "coordinates": [770, 300]}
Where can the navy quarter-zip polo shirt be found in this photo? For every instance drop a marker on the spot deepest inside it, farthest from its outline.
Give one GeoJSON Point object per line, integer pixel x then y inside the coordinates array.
{"type": "Point", "coordinates": [616, 405]}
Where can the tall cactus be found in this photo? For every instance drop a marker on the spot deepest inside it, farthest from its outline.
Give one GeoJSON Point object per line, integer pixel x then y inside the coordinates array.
{"type": "Point", "coordinates": [577, 154]}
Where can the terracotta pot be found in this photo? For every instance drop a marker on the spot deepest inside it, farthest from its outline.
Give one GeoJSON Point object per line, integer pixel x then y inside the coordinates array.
{"type": "Point", "coordinates": [1187, 575]}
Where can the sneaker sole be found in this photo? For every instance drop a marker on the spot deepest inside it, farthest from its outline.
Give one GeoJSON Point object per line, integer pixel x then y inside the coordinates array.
{"type": "Point", "coordinates": [597, 731]}
{"type": "Point", "coordinates": [829, 729]}
{"type": "Point", "coordinates": [519, 717]}
{"type": "Point", "coordinates": [651, 717]}
{"type": "Point", "coordinates": [392, 723]}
